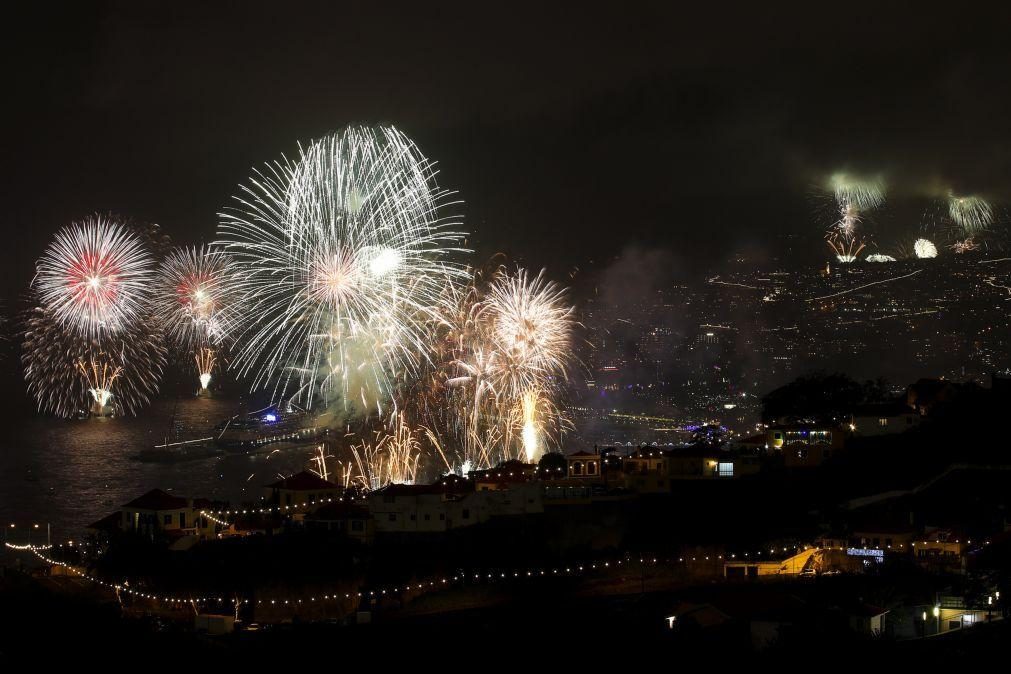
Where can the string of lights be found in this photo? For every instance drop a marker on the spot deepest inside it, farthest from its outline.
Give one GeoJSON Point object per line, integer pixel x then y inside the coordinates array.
{"type": "Point", "coordinates": [440, 582]}
{"type": "Point", "coordinates": [214, 515]}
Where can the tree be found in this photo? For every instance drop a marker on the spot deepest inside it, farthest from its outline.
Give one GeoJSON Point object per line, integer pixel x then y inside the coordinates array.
{"type": "Point", "coordinates": [552, 464]}
{"type": "Point", "coordinates": [818, 397]}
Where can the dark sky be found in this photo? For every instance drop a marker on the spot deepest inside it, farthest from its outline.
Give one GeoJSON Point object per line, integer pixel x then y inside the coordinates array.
{"type": "Point", "coordinates": [569, 132]}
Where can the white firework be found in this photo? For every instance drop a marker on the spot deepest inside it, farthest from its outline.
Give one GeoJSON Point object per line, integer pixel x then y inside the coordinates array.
{"type": "Point", "coordinates": [924, 249]}
{"type": "Point", "coordinates": [342, 258]}
{"type": "Point", "coordinates": [94, 276]}
{"type": "Point", "coordinates": [195, 297]}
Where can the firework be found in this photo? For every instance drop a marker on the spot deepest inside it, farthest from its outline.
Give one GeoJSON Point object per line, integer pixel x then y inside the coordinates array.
{"type": "Point", "coordinates": [505, 352]}
{"type": "Point", "coordinates": [878, 257]}
{"type": "Point", "coordinates": [531, 426]}
{"type": "Point", "coordinates": [100, 374]}
{"type": "Point", "coordinates": [846, 249]}
{"type": "Point", "coordinates": [342, 257]}
{"type": "Point", "coordinates": [924, 248]}
{"type": "Point", "coordinates": [862, 194]}
{"type": "Point", "coordinates": [194, 296]}
{"type": "Point", "coordinates": [205, 361]}
{"type": "Point", "coordinates": [853, 198]}
{"type": "Point", "coordinates": [391, 458]}
{"type": "Point", "coordinates": [68, 375]}
{"type": "Point", "coordinates": [970, 214]}
{"type": "Point", "coordinates": [93, 276]}
{"type": "Point", "coordinates": [966, 246]}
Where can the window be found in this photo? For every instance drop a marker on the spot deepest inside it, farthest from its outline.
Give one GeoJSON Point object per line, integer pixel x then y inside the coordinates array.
{"type": "Point", "coordinates": [591, 468]}
{"type": "Point", "coordinates": [182, 520]}
{"type": "Point", "coordinates": [414, 517]}
{"type": "Point", "coordinates": [357, 525]}
{"type": "Point", "coordinates": [393, 517]}
{"type": "Point", "coordinates": [725, 469]}
{"type": "Point", "coordinates": [466, 514]}
{"type": "Point", "coordinates": [427, 517]}
{"type": "Point", "coordinates": [882, 421]}
{"type": "Point", "coordinates": [167, 519]}
{"type": "Point", "coordinates": [442, 516]}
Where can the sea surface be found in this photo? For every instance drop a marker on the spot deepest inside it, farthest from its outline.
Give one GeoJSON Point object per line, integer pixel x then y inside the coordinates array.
{"type": "Point", "coordinates": [68, 474]}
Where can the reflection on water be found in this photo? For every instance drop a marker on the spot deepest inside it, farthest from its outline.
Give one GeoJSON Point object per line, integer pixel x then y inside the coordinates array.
{"type": "Point", "coordinates": [72, 473]}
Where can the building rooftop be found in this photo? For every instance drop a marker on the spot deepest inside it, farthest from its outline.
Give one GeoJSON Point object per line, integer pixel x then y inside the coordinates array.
{"type": "Point", "coordinates": [304, 481]}
{"type": "Point", "coordinates": [156, 499]}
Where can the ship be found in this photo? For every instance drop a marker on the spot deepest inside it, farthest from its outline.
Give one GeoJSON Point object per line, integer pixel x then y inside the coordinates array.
{"type": "Point", "coordinates": [244, 433]}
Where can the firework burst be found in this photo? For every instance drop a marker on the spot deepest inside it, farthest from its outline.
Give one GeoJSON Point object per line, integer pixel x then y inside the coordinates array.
{"type": "Point", "coordinates": [93, 276]}
{"type": "Point", "coordinates": [971, 214]}
{"type": "Point", "coordinates": [924, 249]}
{"type": "Point", "coordinates": [194, 295]}
{"type": "Point", "coordinates": [342, 257]}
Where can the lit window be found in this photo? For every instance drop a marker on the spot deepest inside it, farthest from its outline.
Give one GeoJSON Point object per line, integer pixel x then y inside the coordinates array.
{"type": "Point", "coordinates": [725, 469]}
{"type": "Point", "coordinates": [882, 421]}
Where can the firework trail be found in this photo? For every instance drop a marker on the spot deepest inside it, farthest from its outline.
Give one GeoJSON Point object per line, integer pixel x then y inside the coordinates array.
{"type": "Point", "coordinates": [342, 257]}
{"type": "Point", "coordinates": [94, 276]}
{"type": "Point", "coordinates": [205, 360]}
{"type": "Point", "coordinates": [392, 457]}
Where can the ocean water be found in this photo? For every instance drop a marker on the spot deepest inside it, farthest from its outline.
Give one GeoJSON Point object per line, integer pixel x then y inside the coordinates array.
{"type": "Point", "coordinates": [68, 474]}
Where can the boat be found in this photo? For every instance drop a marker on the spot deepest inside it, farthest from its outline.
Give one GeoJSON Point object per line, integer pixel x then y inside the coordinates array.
{"type": "Point", "coordinates": [245, 433]}
{"type": "Point", "coordinates": [185, 450]}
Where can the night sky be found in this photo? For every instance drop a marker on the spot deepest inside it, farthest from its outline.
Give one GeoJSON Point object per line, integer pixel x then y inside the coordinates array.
{"type": "Point", "coordinates": [569, 132]}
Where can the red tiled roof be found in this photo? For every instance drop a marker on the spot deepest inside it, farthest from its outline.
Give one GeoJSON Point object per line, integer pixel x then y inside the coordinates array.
{"type": "Point", "coordinates": [156, 499]}
{"type": "Point", "coordinates": [304, 481]}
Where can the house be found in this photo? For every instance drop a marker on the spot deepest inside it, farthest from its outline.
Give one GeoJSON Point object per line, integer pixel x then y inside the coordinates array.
{"type": "Point", "coordinates": [647, 470]}
{"type": "Point", "coordinates": [940, 550]}
{"type": "Point", "coordinates": [803, 445]}
{"type": "Point", "coordinates": [884, 418]}
{"type": "Point", "coordinates": [301, 489]}
{"type": "Point", "coordinates": [351, 519]}
{"type": "Point", "coordinates": [586, 465]}
{"type": "Point", "coordinates": [895, 537]}
{"type": "Point", "coordinates": [756, 442]}
{"type": "Point", "coordinates": [426, 508]}
{"type": "Point", "coordinates": [159, 513]}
